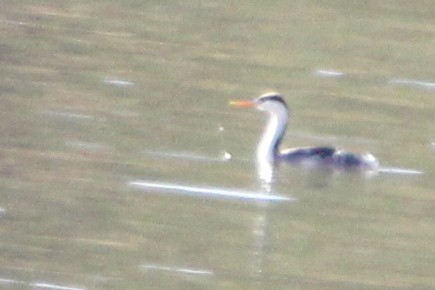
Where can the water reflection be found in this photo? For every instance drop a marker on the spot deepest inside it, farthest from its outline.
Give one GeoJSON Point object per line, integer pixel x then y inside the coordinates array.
{"type": "Point", "coordinates": [265, 173]}
{"type": "Point", "coordinates": [259, 231]}
{"type": "Point", "coordinates": [262, 200]}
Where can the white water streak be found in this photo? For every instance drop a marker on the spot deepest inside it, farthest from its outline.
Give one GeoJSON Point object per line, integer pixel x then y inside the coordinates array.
{"type": "Point", "coordinates": [177, 270]}
{"type": "Point", "coordinates": [118, 83]}
{"type": "Point", "coordinates": [207, 191]}
{"type": "Point", "coordinates": [68, 115]}
{"type": "Point", "coordinates": [53, 286]}
{"type": "Point", "coordinates": [329, 73]}
{"type": "Point", "coordinates": [414, 83]}
{"type": "Point", "coordinates": [225, 156]}
{"type": "Point", "coordinates": [9, 281]}
{"type": "Point", "coordinates": [399, 171]}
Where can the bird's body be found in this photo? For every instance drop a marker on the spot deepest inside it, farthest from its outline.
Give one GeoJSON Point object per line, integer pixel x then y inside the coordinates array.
{"type": "Point", "coordinates": [268, 147]}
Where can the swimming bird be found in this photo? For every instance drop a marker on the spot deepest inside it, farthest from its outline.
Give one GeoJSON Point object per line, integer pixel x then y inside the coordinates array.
{"type": "Point", "coordinates": [268, 148]}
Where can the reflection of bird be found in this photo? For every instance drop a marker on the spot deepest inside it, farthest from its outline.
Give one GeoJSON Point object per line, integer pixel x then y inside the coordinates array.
{"type": "Point", "coordinates": [268, 148]}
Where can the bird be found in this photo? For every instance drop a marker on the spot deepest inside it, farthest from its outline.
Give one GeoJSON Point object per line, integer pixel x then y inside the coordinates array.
{"type": "Point", "coordinates": [268, 148]}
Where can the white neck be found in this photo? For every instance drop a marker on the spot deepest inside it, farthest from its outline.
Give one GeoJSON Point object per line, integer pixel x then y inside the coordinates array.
{"type": "Point", "coordinates": [267, 149]}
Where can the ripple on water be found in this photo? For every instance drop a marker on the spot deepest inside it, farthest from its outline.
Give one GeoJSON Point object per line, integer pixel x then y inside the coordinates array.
{"type": "Point", "coordinates": [86, 146]}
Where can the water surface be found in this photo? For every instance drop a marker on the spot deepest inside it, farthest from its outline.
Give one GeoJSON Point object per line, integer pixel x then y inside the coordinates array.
{"type": "Point", "coordinates": [89, 89]}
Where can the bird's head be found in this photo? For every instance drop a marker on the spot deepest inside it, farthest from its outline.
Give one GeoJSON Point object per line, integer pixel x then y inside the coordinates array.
{"type": "Point", "coordinates": [270, 102]}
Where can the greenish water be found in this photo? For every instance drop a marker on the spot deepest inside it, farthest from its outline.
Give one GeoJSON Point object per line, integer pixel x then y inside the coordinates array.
{"type": "Point", "coordinates": [73, 136]}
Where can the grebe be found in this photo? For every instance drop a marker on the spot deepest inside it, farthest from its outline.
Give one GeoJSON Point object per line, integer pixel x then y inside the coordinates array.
{"type": "Point", "coordinates": [268, 147]}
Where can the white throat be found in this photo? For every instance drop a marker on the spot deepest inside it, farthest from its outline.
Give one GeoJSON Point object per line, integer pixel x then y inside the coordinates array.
{"type": "Point", "coordinates": [267, 149]}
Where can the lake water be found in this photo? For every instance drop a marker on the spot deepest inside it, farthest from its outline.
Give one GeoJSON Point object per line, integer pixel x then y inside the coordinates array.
{"type": "Point", "coordinates": [123, 167]}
